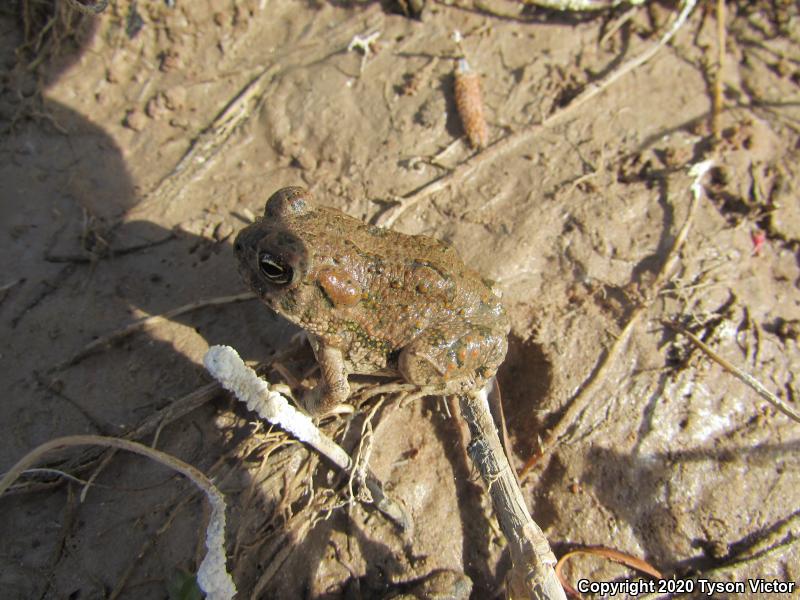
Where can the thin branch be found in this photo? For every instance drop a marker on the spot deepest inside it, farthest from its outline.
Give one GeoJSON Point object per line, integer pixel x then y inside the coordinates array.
{"type": "Point", "coordinates": [745, 378]}
{"type": "Point", "coordinates": [212, 575]}
{"type": "Point", "coordinates": [513, 140]}
{"type": "Point", "coordinates": [533, 563]}
{"type": "Point", "coordinates": [582, 5]}
{"type": "Point", "coordinates": [587, 393]}
{"type": "Point", "coordinates": [716, 109]}
{"type": "Point", "coordinates": [119, 334]}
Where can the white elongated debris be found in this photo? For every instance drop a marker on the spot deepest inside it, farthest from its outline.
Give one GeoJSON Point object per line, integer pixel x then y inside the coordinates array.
{"type": "Point", "coordinates": [212, 576]}
{"type": "Point", "coordinates": [698, 171]}
{"type": "Point", "coordinates": [225, 365]}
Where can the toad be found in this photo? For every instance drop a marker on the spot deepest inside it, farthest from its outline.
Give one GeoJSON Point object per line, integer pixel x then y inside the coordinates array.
{"type": "Point", "coordinates": [372, 300]}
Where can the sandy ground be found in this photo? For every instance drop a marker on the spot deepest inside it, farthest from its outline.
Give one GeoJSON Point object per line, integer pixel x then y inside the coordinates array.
{"type": "Point", "coordinates": [673, 461]}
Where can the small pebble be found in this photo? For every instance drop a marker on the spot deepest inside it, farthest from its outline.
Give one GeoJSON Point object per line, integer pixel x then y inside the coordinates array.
{"type": "Point", "coordinates": [175, 98]}
{"type": "Point", "coordinates": [305, 159]}
{"type": "Point", "coordinates": [135, 120]}
{"type": "Point", "coordinates": [156, 107]}
{"type": "Point", "coordinates": [170, 61]}
{"type": "Point", "coordinates": [248, 214]}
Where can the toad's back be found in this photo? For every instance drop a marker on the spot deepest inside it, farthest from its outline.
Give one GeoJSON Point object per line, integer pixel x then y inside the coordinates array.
{"type": "Point", "coordinates": [369, 292]}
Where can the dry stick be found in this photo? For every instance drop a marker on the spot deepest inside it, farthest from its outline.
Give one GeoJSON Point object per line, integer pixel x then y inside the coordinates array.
{"type": "Point", "coordinates": [198, 158]}
{"type": "Point", "coordinates": [287, 543]}
{"type": "Point", "coordinates": [174, 411]}
{"type": "Point", "coordinates": [580, 402]}
{"type": "Point", "coordinates": [119, 334]}
{"type": "Point", "coordinates": [513, 140]}
{"type": "Point", "coordinates": [533, 563]}
{"type": "Point", "coordinates": [581, 5]}
{"type": "Point", "coordinates": [212, 575]}
{"type": "Point", "coordinates": [152, 423]}
{"type": "Point", "coordinates": [179, 502]}
{"type": "Point", "coordinates": [749, 380]}
{"type": "Point", "coordinates": [716, 110]}
{"type": "Point", "coordinates": [725, 571]}
{"type": "Point", "coordinates": [225, 365]}
{"type": "Point", "coordinates": [174, 186]}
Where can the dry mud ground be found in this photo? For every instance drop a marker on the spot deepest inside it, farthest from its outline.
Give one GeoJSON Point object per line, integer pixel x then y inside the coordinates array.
{"type": "Point", "coordinates": [674, 460]}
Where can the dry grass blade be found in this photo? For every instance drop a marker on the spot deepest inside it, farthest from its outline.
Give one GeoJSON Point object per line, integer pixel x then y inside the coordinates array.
{"type": "Point", "coordinates": [716, 109]}
{"type": "Point", "coordinates": [581, 401]}
{"type": "Point", "coordinates": [581, 5]}
{"type": "Point", "coordinates": [746, 378]}
{"type": "Point", "coordinates": [609, 553]}
{"type": "Point", "coordinates": [119, 334]}
{"type": "Point", "coordinates": [514, 140]}
{"type": "Point", "coordinates": [212, 575]}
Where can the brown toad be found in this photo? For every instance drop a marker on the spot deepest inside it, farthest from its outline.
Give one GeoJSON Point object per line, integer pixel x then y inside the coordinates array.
{"type": "Point", "coordinates": [372, 299]}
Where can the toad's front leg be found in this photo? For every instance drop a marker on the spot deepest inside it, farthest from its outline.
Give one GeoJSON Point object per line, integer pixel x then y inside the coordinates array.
{"type": "Point", "coordinates": [333, 388]}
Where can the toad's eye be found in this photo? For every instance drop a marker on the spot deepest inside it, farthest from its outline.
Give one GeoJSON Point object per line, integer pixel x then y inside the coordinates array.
{"type": "Point", "coordinates": [274, 269]}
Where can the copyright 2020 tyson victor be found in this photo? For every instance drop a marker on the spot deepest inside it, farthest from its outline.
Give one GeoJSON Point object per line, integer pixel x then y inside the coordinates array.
{"type": "Point", "coordinates": [634, 587]}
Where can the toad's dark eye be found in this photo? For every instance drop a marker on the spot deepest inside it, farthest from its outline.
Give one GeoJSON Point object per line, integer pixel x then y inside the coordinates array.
{"type": "Point", "coordinates": [274, 269]}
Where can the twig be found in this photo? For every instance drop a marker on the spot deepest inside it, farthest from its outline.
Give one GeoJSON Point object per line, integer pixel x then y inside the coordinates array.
{"type": "Point", "coordinates": [226, 367]}
{"type": "Point", "coordinates": [205, 146]}
{"type": "Point", "coordinates": [724, 570]}
{"type": "Point", "coordinates": [532, 573]}
{"type": "Point", "coordinates": [364, 44]}
{"type": "Point", "coordinates": [584, 397]}
{"type": "Point", "coordinates": [4, 289]}
{"type": "Point", "coordinates": [513, 140]}
{"type": "Point", "coordinates": [582, 5]}
{"type": "Point", "coordinates": [174, 411]}
{"type": "Point", "coordinates": [716, 109]}
{"type": "Point", "coordinates": [108, 252]}
{"type": "Point", "coordinates": [175, 185]}
{"type": "Point", "coordinates": [747, 379]}
{"type": "Point", "coordinates": [212, 576]}
{"type": "Point", "coordinates": [611, 554]}
{"type": "Point", "coordinates": [119, 334]}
